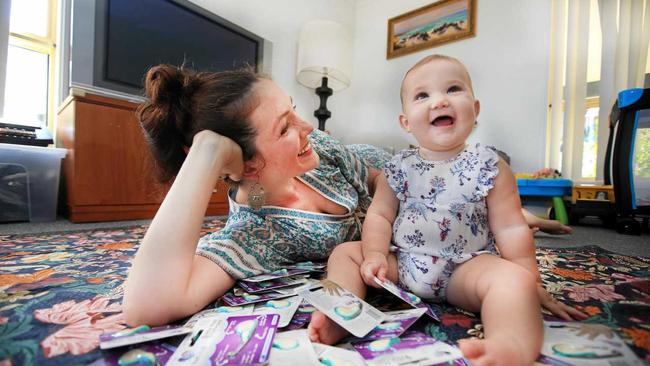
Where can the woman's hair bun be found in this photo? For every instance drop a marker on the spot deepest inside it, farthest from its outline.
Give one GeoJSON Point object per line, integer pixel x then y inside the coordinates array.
{"type": "Point", "coordinates": [165, 84]}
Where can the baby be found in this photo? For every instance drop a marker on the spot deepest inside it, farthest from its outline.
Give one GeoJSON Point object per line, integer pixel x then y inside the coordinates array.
{"type": "Point", "coordinates": [437, 217]}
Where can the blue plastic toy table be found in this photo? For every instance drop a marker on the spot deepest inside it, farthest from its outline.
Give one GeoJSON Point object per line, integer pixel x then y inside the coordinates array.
{"type": "Point", "coordinates": [555, 188]}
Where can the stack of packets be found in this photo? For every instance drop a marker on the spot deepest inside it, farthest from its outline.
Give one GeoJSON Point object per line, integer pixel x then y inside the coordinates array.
{"type": "Point", "coordinates": [575, 343]}
{"type": "Point", "coordinates": [260, 322]}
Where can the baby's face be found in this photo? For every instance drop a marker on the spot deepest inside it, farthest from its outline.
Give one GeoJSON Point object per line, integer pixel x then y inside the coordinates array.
{"type": "Point", "coordinates": [439, 107]}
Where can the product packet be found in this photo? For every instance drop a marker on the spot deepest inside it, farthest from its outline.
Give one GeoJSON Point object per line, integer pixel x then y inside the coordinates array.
{"type": "Point", "coordinates": [293, 348]}
{"type": "Point", "coordinates": [412, 349]}
{"type": "Point", "coordinates": [411, 299]}
{"type": "Point", "coordinates": [281, 273]}
{"type": "Point", "coordinates": [576, 343]}
{"type": "Point", "coordinates": [396, 323]}
{"type": "Point", "coordinates": [246, 298]}
{"type": "Point", "coordinates": [239, 340]}
{"type": "Point", "coordinates": [286, 308]}
{"type": "Point", "coordinates": [345, 308]}
{"type": "Point", "coordinates": [140, 334]}
{"type": "Point", "coordinates": [221, 311]}
{"type": "Point", "coordinates": [334, 356]}
{"type": "Point", "coordinates": [256, 287]}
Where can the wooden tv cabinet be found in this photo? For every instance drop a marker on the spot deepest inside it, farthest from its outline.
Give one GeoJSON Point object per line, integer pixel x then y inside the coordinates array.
{"type": "Point", "coordinates": [106, 174]}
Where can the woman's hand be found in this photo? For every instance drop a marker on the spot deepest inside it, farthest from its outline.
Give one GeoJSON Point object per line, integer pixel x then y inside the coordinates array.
{"type": "Point", "coordinates": [558, 308]}
{"type": "Point", "coordinates": [375, 264]}
{"type": "Point", "coordinates": [223, 148]}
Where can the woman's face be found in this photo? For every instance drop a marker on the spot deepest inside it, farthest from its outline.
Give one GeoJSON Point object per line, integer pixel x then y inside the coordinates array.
{"type": "Point", "coordinates": [281, 139]}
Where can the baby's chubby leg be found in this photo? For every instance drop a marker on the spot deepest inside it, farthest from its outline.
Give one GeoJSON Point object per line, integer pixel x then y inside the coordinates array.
{"type": "Point", "coordinates": [343, 268]}
{"type": "Point", "coordinates": [506, 295]}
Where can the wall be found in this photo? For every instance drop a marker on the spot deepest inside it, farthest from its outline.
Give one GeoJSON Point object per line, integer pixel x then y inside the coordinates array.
{"type": "Point", "coordinates": [508, 61]}
{"type": "Point", "coordinates": [279, 21]}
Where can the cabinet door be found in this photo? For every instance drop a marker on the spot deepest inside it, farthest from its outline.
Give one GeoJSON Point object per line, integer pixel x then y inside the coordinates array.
{"type": "Point", "coordinates": [112, 160]}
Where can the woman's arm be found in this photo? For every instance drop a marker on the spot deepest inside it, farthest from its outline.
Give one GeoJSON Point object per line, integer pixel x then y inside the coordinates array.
{"type": "Point", "coordinates": [373, 179]}
{"type": "Point", "coordinates": [167, 281]}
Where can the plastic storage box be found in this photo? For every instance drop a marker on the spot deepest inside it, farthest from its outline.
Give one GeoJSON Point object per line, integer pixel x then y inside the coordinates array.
{"type": "Point", "coordinates": [29, 182]}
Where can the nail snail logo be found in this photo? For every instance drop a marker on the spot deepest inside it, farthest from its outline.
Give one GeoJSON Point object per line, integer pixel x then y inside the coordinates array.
{"type": "Point", "coordinates": [389, 326]}
{"type": "Point", "coordinates": [334, 361]}
{"type": "Point", "coordinates": [227, 309]}
{"type": "Point", "coordinates": [350, 311]}
{"type": "Point", "coordinates": [137, 357]}
{"type": "Point", "coordinates": [285, 344]}
{"type": "Point", "coordinates": [278, 304]}
{"type": "Point", "coordinates": [383, 344]}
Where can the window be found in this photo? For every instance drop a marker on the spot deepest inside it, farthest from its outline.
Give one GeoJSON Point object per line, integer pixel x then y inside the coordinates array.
{"type": "Point", "coordinates": [30, 63]}
{"type": "Point", "coordinates": [598, 48]}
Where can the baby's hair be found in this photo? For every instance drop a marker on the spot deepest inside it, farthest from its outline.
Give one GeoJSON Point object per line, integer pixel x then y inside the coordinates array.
{"type": "Point", "coordinates": [431, 58]}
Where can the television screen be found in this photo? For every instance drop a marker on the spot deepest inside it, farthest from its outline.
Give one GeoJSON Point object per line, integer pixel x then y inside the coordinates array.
{"type": "Point", "coordinates": [132, 36]}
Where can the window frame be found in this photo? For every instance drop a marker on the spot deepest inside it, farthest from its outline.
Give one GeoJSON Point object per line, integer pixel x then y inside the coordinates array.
{"type": "Point", "coordinates": [44, 45]}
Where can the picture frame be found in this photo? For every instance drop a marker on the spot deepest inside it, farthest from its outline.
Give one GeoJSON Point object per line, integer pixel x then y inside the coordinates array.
{"type": "Point", "coordinates": [430, 26]}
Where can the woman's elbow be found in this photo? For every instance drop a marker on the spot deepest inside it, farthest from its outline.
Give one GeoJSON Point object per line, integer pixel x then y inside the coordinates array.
{"type": "Point", "coordinates": [136, 313]}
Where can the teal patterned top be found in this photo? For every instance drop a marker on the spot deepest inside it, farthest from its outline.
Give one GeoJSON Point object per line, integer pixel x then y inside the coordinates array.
{"type": "Point", "coordinates": [259, 241]}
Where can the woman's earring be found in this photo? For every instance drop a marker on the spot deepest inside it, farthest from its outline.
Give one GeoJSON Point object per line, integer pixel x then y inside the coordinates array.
{"type": "Point", "coordinates": [475, 123]}
{"type": "Point", "coordinates": [256, 196]}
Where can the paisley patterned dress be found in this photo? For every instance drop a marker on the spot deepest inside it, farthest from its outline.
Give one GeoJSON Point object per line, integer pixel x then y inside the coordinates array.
{"type": "Point", "coordinates": [259, 241]}
{"type": "Point", "coordinates": [442, 219]}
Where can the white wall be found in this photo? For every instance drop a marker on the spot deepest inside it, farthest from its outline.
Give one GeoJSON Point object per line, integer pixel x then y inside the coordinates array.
{"type": "Point", "coordinates": [508, 62]}
{"type": "Point", "coordinates": [279, 21]}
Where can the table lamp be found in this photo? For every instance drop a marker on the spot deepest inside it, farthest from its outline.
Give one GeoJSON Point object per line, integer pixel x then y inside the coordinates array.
{"type": "Point", "coordinates": [324, 62]}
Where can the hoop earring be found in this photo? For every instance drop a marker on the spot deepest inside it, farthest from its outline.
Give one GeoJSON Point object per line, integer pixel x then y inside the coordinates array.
{"type": "Point", "coordinates": [256, 196]}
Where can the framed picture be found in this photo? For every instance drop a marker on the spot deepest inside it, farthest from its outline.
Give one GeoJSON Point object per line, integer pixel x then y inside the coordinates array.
{"type": "Point", "coordinates": [430, 26]}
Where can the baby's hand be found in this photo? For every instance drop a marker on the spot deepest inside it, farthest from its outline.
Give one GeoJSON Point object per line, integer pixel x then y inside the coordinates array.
{"type": "Point", "coordinates": [374, 264]}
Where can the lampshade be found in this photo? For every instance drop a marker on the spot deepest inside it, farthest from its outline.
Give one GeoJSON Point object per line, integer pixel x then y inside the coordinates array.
{"type": "Point", "coordinates": [324, 49]}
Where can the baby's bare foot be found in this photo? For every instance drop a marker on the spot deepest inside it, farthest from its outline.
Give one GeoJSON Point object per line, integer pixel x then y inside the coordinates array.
{"type": "Point", "coordinates": [323, 330]}
{"type": "Point", "coordinates": [493, 352]}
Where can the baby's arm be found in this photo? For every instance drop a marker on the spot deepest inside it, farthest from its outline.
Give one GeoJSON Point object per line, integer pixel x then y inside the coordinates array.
{"type": "Point", "coordinates": [515, 239]}
{"type": "Point", "coordinates": [377, 231]}
{"type": "Point", "coordinates": [513, 236]}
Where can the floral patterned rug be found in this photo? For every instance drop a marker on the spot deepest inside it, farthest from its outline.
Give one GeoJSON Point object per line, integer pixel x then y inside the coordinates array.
{"type": "Point", "coordinates": [60, 291]}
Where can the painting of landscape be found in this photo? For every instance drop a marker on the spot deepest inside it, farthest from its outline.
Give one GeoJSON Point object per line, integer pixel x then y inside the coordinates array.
{"type": "Point", "coordinates": [430, 26]}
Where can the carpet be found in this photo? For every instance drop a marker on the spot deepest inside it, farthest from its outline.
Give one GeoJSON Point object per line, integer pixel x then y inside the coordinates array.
{"type": "Point", "coordinates": [60, 291]}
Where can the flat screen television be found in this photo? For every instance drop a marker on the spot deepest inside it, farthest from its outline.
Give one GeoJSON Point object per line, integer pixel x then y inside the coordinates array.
{"type": "Point", "coordinates": [131, 36]}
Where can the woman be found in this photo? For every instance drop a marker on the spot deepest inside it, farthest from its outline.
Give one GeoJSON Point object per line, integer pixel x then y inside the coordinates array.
{"type": "Point", "coordinates": [299, 193]}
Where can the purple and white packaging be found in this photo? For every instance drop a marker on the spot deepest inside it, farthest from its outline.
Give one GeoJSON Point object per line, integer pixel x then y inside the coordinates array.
{"type": "Point", "coordinates": [412, 348]}
{"type": "Point", "coordinates": [196, 348]}
{"type": "Point", "coordinates": [255, 287]}
{"type": "Point", "coordinates": [345, 308]}
{"type": "Point", "coordinates": [410, 299]}
{"type": "Point", "coordinates": [153, 353]}
{"type": "Point", "coordinates": [293, 348]}
{"type": "Point", "coordinates": [221, 311]}
{"type": "Point", "coordinates": [133, 336]}
{"type": "Point", "coordinates": [309, 284]}
{"type": "Point", "coordinates": [578, 343]}
{"type": "Point", "coordinates": [247, 340]}
{"type": "Point", "coordinates": [396, 323]}
{"type": "Point", "coordinates": [281, 273]}
{"type": "Point", "coordinates": [283, 307]}
{"type": "Point", "coordinates": [328, 355]}
{"type": "Point", "coordinates": [302, 317]}
{"type": "Point", "coordinates": [247, 298]}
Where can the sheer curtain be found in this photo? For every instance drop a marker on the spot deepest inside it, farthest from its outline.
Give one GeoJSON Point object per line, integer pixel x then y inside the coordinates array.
{"type": "Point", "coordinates": [625, 27]}
{"type": "Point", "coordinates": [5, 12]}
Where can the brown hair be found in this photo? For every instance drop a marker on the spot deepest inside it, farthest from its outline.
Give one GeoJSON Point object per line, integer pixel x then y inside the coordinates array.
{"type": "Point", "coordinates": [180, 103]}
{"type": "Point", "coordinates": [431, 58]}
